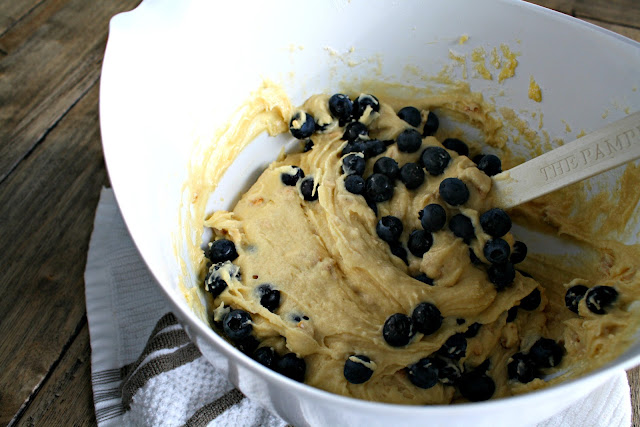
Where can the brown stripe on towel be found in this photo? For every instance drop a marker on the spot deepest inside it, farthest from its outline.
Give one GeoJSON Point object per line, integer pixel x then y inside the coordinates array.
{"type": "Point", "coordinates": [210, 411]}
{"type": "Point", "coordinates": [105, 377]}
{"type": "Point", "coordinates": [161, 341]}
{"type": "Point", "coordinates": [159, 365]}
{"type": "Point", "coordinates": [108, 412]}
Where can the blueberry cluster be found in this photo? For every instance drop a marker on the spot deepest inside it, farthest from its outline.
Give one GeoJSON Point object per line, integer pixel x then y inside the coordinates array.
{"type": "Point", "coordinates": [237, 324]}
{"type": "Point", "coordinates": [496, 223]}
{"type": "Point", "coordinates": [473, 384]}
{"type": "Point", "coordinates": [307, 185]}
{"type": "Point", "coordinates": [399, 329]}
{"type": "Point", "coordinates": [526, 366]}
{"type": "Point", "coordinates": [598, 299]}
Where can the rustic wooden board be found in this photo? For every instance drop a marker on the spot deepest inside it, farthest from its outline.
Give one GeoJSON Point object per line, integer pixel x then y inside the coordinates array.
{"type": "Point", "coordinates": [51, 170]}
{"type": "Point", "coordinates": [44, 76]}
{"type": "Point", "coordinates": [66, 397]}
{"type": "Point", "coordinates": [631, 32]}
{"type": "Point", "coordinates": [12, 12]}
{"type": "Point", "coordinates": [48, 204]}
{"type": "Point", "coordinates": [633, 375]}
{"type": "Point", "coordinates": [29, 24]}
{"type": "Point", "coordinates": [621, 12]}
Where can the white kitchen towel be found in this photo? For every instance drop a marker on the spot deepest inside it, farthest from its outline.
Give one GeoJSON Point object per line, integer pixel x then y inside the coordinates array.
{"type": "Point", "coordinates": [146, 372]}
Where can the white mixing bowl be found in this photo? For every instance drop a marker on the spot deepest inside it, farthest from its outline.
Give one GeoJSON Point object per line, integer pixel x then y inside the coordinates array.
{"type": "Point", "coordinates": [171, 66]}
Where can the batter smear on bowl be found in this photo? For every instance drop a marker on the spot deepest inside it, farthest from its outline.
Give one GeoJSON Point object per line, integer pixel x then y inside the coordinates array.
{"type": "Point", "coordinates": [372, 264]}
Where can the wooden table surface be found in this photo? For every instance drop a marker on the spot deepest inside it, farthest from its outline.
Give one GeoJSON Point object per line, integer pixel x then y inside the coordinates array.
{"type": "Point", "coordinates": [51, 172]}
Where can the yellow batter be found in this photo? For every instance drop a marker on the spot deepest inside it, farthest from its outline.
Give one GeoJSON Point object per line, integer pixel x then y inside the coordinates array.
{"type": "Point", "coordinates": [339, 281]}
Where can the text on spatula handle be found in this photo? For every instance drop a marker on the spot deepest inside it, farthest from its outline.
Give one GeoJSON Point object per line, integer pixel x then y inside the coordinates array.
{"type": "Point", "coordinates": [592, 154]}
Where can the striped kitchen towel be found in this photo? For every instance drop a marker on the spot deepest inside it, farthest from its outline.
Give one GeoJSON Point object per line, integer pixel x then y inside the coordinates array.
{"type": "Point", "coordinates": [146, 372]}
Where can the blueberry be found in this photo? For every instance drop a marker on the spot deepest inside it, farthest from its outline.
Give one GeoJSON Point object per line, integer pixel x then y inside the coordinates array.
{"type": "Point", "coordinates": [454, 191]}
{"type": "Point", "coordinates": [372, 205]}
{"type": "Point", "coordinates": [454, 144]}
{"type": "Point", "coordinates": [424, 373]}
{"type": "Point", "coordinates": [409, 141]}
{"type": "Point", "coordinates": [531, 301]}
{"type": "Point", "coordinates": [307, 190]}
{"type": "Point", "coordinates": [266, 356]}
{"type": "Point", "coordinates": [357, 146]}
{"type": "Point", "coordinates": [460, 321]}
{"type": "Point", "coordinates": [495, 222]}
{"type": "Point", "coordinates": [573, 297]}
{"type": "Point", "coordinates": [292, 366]}
{"type": "Point", "coordinates": [354, 184]}
{"type": "Point", "coordinates": [398, 330]}
{"type": "Point", "coordinates": [448, 372]}
{"type": "Point", "coordinates": [474, 258]}
{"type": "Point", "coordinates": [214, 283]}
{"type": "Point", "coordinates": [546, 353]}
{"type": "Point", "coordinates": [302, 125]}
{"type": "Point", "coordinates": [308, 145]}
{"type": "Point", "coordinates": [399, 251]}
{"type": "Point", "coordinates": [292, 178]}
{"type": "Point", "coordinates": [502, 275]}
{"type": "Point", "coordinates": [374, 147]}
{"type": "Point", "coordinates": [247, 345]}
{"type": "Point", "coordinates": [490, 164]}
{"type": "Point", "coordinates": [519, 252]}
{"type": "Point", "coordinates": [433, 217]}
{"type": "Point", "coordinates": [237, 324]}
{"type": "Point", "coordinates": [496, 251]}
{"type": "Point", "coordinates": [341, 107]}
{"type": "Point", "coordinates": [354, 130]}
{"type": "Point", "coordinates": [222, 250]}
{"type": "Point", "coordinates": [472, 330]}
{"type": "Point", "coordinates": [521, 368]}
{"type": "Point", "coordinates": [431, 125]}
{"type": "Point", "coordinates": [410, 115]}
{"type": "Point", "coordinates": [435, 160]}
{"type": "Point", "coordinates": [269, 297]}
{"type": "Point", "coordinates": [462, 227]}
{"type": "Point", "coordinates": [420, 241]}
{"type": "Point", "coordinates": [362, 102]}
{"type": "Point", "coordinates": [356, 370]}
{"type": "Point", "coordinates": [424, 279]}
{"type": "Point", "coordinates": [353, 165]}
{"type": "Point", "coordinates": [387, 166]}
{"type": "Point", "coordinates": [378, 188]}
{"type": "Point", "coordinates": [599, 298]}
{"type": "Point", "coordinates": [412, 175]}
{"type": "Point", "coordinates": [426, 318]}
{"type": "Point", "coordinates": [512, 313]}
{"type": "Point", "coordinates": [455, 347]}
{"type": "Point", "coordinates": [389, 228]}
{"type": "Point", "coordinates": [476, 386]}
{"type": "Point", "coordinates": [476, 159]}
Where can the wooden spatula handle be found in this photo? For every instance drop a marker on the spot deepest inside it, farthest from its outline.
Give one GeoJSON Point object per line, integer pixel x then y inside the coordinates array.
{"type": "Point", "coordinates": [613, 145]}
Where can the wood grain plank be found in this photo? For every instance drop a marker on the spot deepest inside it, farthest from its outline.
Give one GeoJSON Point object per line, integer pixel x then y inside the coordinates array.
{"type": "Point", "coordinates": [47, 212]}
{"type": "Point", "coordinates": [29, 24]}
{"type": "Point", "coordinates": [66, 396]}
{"type": "Point", "coordinates": [631, 32]}
{"type": "Point", "coordinates": [11, 12]}
{"type": "Point", "coordinates": [621, 12]}
{"type": "Point", "coordinates": [47, 74]}
{"type": "Point", "coordinates": [625, 13]}
{"type": "Point", "coordinates": [564, 6]}
{"type": "Point", "coordinates": [633, 375]}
